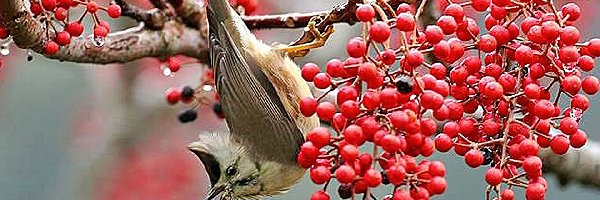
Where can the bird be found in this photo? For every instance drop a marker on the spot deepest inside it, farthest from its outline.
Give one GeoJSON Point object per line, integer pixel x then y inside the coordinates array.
{"type": "Point", "coordinates": [259, 88]}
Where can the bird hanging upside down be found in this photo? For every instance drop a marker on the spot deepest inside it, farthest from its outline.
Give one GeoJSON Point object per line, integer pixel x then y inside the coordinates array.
{"type": "Point", "coordinates": [259, 88]}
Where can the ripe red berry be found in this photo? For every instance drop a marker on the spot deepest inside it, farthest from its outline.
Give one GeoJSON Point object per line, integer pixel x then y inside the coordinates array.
{"type": "Point", "coordinates": [500, 33]}
{"type": "Point", "coordinates": [325, 111]}
{"type": "Point", "coordinates": [3, 33]}
{"type": "Point", "coordinates": [487, 43]}
{"type": "Point", "coordinates": [578, 139]}
{"type": "Point", "coordinates": [100, 31]}
{"type": "Point", "coordinates": [447, 24]}
{"type": "Point", "coordinates": [396, 174]}
{"type": "Point", "coordinates": [493, 91]}
{"type": "Point", "coordinates": [437, 185]}
{"type": "Point", "coordinates": [173, 95]}
{"type": "Point", "coordinates": [532, 165]}
{"type": "Point", "coordinates": [60, 14]}
{"type": "Point", "coordinates": [373, 178]}
{"type": "Point", "coordinates": [114, 11]}
{"type": "Point", "coordinates": [51, 48]}
{"type": "Point", "coordinates": [319, 136]}
{"type": "Point", "coordinates": [309, 71]}
{"type": "Point", "coordinates": [480, 5]}
{"type": "Point", "coordinates": [569, 35]}
{"type": "Point", "coordinates": [550, 30]}
{"type": "Point", "coordinates": [535, 191]}
{"type": "Point", "coordinates": [568, 125]}
{"type": "Point", "coordinates": [75, 29]}
{"type": "Point", "coordinates": [571, 84]}
{"type": "Point", "coordinates": [586, 63]}
{"type": "Point", "coordinates": [405, 22]}
{"type": "Point", "coordinates": [559, 144]}
{"type": "Point", "coordinates": [92, 7]}
{"type": "Point", "coordinates": [365, 13]}
{"type": "Point", "coordinates": [320, 195]}
{"type": "Point", "coordinates": [356, 47]}
{"type": "Point", "coordinates": [590, 85]}
{"type": "Point", "coordinates": [507, 194]}
{"type": "Point", "coordinates": [308, 106]}
{"type": "Point", "coordinates": [568, 54]}
{"type": "Point", "coordinates": [63, 38]}
{"type": "Point", "coordinates": [345, 174]}
{"type": "Point", "coordinates": [353, 134]}
{"type": "Point", "coordinates": [320, 175]}
{"type": "Point", "coordinates": [414, 58]}
{"type": "Point", "coordinates": [434, 34]}
{"type": "Point", "coordinates": [493, 176]}
{"type": "Point", "coordinates": [379, 32]}
{"type": "Point", "coordinates": [49, 5]}
{"type": "Point", "coordinates": [572, 10]}
{"type": "Point", "coordinates": [474, 158]}
{"type": "Point", "coordinates": [322, 80]}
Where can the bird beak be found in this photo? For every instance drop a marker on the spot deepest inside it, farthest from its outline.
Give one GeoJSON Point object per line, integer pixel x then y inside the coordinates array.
{"type": "Point", "coordinates": [215, 192]}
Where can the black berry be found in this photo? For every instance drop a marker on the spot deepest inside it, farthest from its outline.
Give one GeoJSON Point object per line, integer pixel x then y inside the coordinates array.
{"type": "Point", "coordinates": [404, 85]}
{"type": "Point", "coordinates": [487, 155]}
{"type": "Point", "coordinates": [188, 116]}
{"type": "Point", "coordinates": [187, 92]}
{"type": "Point", "coordinates": [345, 191]}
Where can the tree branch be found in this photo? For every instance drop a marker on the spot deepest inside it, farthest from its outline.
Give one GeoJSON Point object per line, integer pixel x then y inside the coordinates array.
{"type": "Point", "coordinates": [152, 18]}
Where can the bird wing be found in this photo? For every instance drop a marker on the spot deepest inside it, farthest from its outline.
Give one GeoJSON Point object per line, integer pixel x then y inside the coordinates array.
{"type": "Point", "coordinates": [254, 112]}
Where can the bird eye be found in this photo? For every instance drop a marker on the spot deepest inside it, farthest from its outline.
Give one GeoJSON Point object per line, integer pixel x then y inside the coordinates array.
{"type": "Point", "coordinates": [230, 171]}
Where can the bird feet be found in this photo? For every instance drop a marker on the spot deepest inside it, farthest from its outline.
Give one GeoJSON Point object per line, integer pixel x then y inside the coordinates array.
{"type": "Point", "coordinates": [318, 40]}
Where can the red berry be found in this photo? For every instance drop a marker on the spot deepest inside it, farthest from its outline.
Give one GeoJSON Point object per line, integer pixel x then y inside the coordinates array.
{"type": "Point", "coordinates": [379, 32]}
{"type": "Point", "coordinates": [396, 174]}
{"type": "Point", "coordinates": [49, 5]}
{"type": "Point", "coordinates": [63, 38]}
{"type": "Point", "coordinates": [322, 81]}
{"type": "Point", "coordinates": [480, 5]}
{"type": "Point", "coordinates": [320, 195]}
{"type": "Point", "coordinates": [507, 194]}
{"type": "Point", "coordinates": [356, 47]}
{"type": "Point", "coordinates": [92, 7]}
{"type": "Point", "coordinates": [75, 29]}
{"type": "Point", "coordinates": [414, 58]}
{"type": "Point", "coordinates": [320, 175]}
{"type": "Point", "coordinates": [114, 11]}
{"type": "Point", "coordinates": [535, 191]}
{"type": "Point", "coordinates": [325, 111]}
{"type": "Point", "coordinates": [60, 14]}
{"type": "Point", "coordinates": [51, 48]}
{"type": "Point", "coordinates": [373, 178]}
{"type": "Point", "coordinates": [353, 134]}
{"type": "Point", "coordinates": [559, 144]}
{"type": "Point", "coordinates": [550, 30]}
{"type": "Point", "coordinates": [568, 125]}
{"type": "Point", "coordinates": [173, 95]}
{"type": "Point", "coordinates": [3, 33]}
{"type": "Point", "coordinates": [571, 84]}
{"type": "Point", "coordinates": [474, 158]}
{"type": "Point", "coordinates": [345, 174]}
{"type": "Point", "coordinates": [309, 71]}
{"type": "Point", "coordinates": [365, 13]}
{"type": "Point", "coordinates": [590, 85]}
{"type": "Point", "coordinates": [405, 22]}
{"type": "Point", "coordinates": [100, 31]}
{"type": "Point", "coordinates": [572, 10]}
{"type": "Point", "coordinates": [447, 24]}
{"type": "Point", "coordinates": [319, 136]}
{"type": "Point", "coordinates": [568, 54]}
{"type": "Point", "coordinates": [434, 34]}
{"type": "Point", "coordinates": [437, 185]}
{"type": "Point", "coordinates": [532, 165]}
{"type": "Point", "coordinates": [493, 176]}
{"type": "Point", "coordinates": [487, 43]}
{"type": "Point", "coordinates": [586, 63]}
{"type": "Point", "coordinates": [500, 33]}
{"type": "Point", "coordinates": [578, 139]}
{"type": "Point", "coordinates": [308, 106]}
{"type": "Point", "coordinates": [569, 35]}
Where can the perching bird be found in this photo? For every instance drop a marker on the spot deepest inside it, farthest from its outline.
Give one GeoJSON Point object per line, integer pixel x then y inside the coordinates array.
{"type": "Point", "coordinates": [259, 88]}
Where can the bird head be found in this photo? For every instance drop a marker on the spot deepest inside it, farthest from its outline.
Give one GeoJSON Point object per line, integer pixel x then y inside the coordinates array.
{"type": "Point", "coordinates": [235, 174]}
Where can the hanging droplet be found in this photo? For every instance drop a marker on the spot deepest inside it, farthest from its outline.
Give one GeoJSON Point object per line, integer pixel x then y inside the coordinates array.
{"type": "Point", "coordinates": [29, 56]}
{"type": "Point", "coordinates": [4, 50]}
{"type": "Point", "coordinates": [207, 88]}
{"type": "Point", "coordinates": [576, 113]}
{"type": "Point", "coordinates": [99, 41]}
{"type": "Point", "coordinates": [167, 72]}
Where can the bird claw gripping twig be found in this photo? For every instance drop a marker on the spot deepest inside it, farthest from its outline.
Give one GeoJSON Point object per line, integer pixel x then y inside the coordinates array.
{"type": "Point", "coordinates": [300, 50]}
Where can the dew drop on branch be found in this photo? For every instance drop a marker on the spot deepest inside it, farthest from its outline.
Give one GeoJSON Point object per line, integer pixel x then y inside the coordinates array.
{"type": "Point", "coordinates": [4, 50]}
{"type": "Point", "coordinates": [98, 41]}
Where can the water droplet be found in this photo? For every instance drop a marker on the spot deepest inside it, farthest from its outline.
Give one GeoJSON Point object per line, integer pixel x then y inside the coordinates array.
{"type": "Point", "coordinates": [29, 56]}
{"type": "Point", "coordinates": [99, 41]}
{"type": "Point", "coordinates": [4, 50]}
{"type": "Point", "coordinates": [167, 72]}
{"type": "Point", "coordinates": [576, 113]}
{"type": "Point", "coordinates": [207, 88]}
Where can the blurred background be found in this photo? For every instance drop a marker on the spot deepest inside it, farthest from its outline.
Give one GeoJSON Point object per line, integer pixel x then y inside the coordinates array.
{"type": "Point", "coordinates": [80, 131]}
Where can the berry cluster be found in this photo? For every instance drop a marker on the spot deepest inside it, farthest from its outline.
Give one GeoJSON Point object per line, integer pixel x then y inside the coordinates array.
{"type": "Point", "coordinates": [192, 96]}
{"type": "Point", "coordinates": [491, 95]}
{"type": "Point", "coordinates": [54, 15]}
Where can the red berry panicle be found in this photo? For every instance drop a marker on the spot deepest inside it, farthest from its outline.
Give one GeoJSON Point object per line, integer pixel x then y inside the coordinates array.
{"type": "Point", "coordinates": [491, 95]}
{"type": "Point", "coordinates": [54, 15]}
